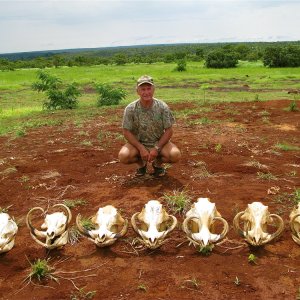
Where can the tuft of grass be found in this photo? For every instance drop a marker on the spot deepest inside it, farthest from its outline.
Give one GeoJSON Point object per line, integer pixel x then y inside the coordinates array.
{"type": "Point", "coordinates": [296, 196]}
{"type": "Point", "coordinates": [82, 294]}
{"type": "Point", "coordinates": [292, 107]}
{"type": "Point", "coordinates": [237, 281]}
{"type": "Point", "coordinates": [178, 201]}
{"type": "Point", "coordinates": [142, 287]}
{"type": "Point", "coordinates": [218, 148]}
{"type": "Point", "coordinates": [8, 171]}
{"type": "Point", "coordinates": [20, 133]}
{"type": "Point", "coordinates": [40, 269]}
{"type": "Point", "coordinates": [266, 176]}
{"type": "Point", "coordinates": [74, 203]}
{"type": "Point", "coordinates": [256, 164]}
{"type": "Point", "coordinates": [24, 179]}
{"type": "Point", "coordinates": [252, 259]}
{"type": "Point", "coordinates": [74, 235]}
{"type": "Point", "coordinates": [86, 143]}
{"type": "Point", "coordinates": [286, 147]}
{"type": "Point", "coordinates": [87, 223]}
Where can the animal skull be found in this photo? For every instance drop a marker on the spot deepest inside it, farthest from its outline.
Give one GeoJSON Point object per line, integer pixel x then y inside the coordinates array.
{"type": "Point", "coordinates": [8, 231]}
{"type": "Point", "coordinates": [154, 224]}
{"type": "Point", "coordinates": [55, 225]}
{"type": "Point", "coordinates": [109, 226]}
{"type": "Point", "coordinates": [199, 223]}
{"type": "Point", "coordinates": [256, 217]}
{"type": "Point", "coordinates": [295, 223]}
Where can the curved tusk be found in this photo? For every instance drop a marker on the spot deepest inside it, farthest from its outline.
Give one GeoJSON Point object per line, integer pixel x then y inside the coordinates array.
{"type": "Point", "coordinates": [123, 230]}
{"type": "Point", "coordinates": [173, 225]}
{"type": "Point", "coordinates": [278, 231]}
{"type": "Point", "coordinates": [225, 229]}
{"type": "Point", "coordinates": [67, 210]}
{"type": "Point", "coordinates": [82, 229]}
{"type": "Point", "coordinates": [188, 232]}
{"type": "Point", "coordinates": [33, 230]}
{"type": "Point", "coordinates": [293, 225]}
{"type": "Point", "coordinates": [133, 223]}
{"type": "Point", "coordinates": [236, 224]}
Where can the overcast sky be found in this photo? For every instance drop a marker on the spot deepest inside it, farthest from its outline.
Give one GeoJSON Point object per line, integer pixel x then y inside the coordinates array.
{"type": "Point", "coordinates": [63, 24]}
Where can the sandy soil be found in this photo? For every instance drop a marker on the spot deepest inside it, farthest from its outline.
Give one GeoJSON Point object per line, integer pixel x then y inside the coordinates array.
{"type": "Point", "coordinates": [221, 160]}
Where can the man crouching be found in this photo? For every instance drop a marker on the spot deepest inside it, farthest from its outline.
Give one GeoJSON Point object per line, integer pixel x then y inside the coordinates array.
{"type": "Point", "coordinates": [147, 127]}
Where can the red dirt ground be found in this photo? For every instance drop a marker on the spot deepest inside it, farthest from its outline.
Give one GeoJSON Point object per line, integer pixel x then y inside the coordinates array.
{"type": "Point", "coordinates": [50, 164]}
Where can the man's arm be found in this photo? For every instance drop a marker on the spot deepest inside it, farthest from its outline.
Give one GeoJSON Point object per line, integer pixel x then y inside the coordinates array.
{"type": "Point", "coordinates": [134, 142]}
{"type": "Point", "coordinates": [165, 137]}
{"type": "Point", "coordinates": [162, 141]}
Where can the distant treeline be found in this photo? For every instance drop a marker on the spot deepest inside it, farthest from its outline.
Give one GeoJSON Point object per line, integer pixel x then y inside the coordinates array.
{"type": "Point", "coordinates": [218, 55]}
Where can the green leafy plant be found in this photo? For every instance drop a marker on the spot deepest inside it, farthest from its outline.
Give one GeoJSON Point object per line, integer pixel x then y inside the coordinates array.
{"type": "Point", "coordinates": [59, 97]}
{"type": "Point", "coordinates": [206, 250]}
{"type": "Point", "coordinates": [292, 106]}
{"type": "Point", "coordinates": [218, 148]}
{"type": "Point", "coordinates": [109, 95]}
{"type": "Point", "coordinates": [252, 259]}
{"type": "Point", "coordinates": [142, 287]}
{"type": "Point", "coordinates": [296, 196]}
{"type": "Point", "coordinates": [181, 65]}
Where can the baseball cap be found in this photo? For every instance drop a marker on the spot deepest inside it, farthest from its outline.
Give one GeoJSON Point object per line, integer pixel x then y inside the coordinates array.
{"type": "Point", "coordinates": [145, 79]}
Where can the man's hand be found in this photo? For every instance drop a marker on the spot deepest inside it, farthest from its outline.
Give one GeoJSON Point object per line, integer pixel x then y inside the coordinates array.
{"type": "Point", "coordinates": [144, 154]}
{"type": "Point", "coordinates": [152, 155]}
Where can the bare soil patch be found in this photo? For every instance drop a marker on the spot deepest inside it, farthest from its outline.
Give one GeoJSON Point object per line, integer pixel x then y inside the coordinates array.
{"type": "Point", "coordinates": [51, 164]}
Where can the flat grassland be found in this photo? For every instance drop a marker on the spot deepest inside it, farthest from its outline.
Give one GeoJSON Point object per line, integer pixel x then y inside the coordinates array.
{"type": "Point", "coordinates": [239, 138]}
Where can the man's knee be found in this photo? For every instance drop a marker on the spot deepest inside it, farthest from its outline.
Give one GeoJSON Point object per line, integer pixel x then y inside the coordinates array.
{"type": "Point", "coordinates": [175, 155]}
{"type": "Point", "coordinates": [123, 156]}
{"type": "Point", "coordinates": [127, 156]}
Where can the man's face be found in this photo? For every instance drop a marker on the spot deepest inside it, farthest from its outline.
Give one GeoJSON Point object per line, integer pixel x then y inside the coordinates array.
{"type": "Point", "coordinates": [146, 92]}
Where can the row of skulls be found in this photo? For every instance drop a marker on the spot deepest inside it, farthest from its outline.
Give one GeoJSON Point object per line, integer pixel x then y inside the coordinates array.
{"type": "Point", "coordinates": [152, 224]}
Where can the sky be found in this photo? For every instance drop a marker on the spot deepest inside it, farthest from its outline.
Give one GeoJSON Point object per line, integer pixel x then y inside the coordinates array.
{"type": "Point", "coordinates": [67, 24]}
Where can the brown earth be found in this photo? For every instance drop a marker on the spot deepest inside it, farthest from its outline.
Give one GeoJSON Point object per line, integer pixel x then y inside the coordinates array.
{"type": "Point", "coordinates": [220, 160]}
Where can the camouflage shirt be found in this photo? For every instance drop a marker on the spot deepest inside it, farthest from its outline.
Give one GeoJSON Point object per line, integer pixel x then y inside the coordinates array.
{"type": "Point", "coordinates": [148, 124]}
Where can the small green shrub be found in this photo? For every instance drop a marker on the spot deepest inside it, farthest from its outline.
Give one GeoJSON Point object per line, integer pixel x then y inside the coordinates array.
{"type": "Point", "coordinates": [40, 269]}
{"type": "Point", "coordinates": [292, 106]}
{"type": "Point", "coordinates": [109, 95]}
{"type": "Point", "coordinates": [59, 97]}
{"type": "Point", "coordinates": [252, 259]}
{"type": "Point", "coordinates": [181, 65]}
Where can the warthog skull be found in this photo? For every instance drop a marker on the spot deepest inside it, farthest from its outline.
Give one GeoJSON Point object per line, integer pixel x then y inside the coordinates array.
{"type": "Point", "coordinates": [8, 231]}
{"type": "Point", "coordinates": [109, 226]}
{"type": "Point", "coordinates": [55, 225]}
{"type": "Point", "coordinates": [199, 223]}
{"type": "Point", "coordinates": [154, 223]}
{"type": "Point", "coordinates": [256, 217]}
{"type": "Point", "coordinates": [295, 223]}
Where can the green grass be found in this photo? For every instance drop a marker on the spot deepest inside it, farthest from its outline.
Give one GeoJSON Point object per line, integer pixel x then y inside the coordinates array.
{"type": "Point", "coordinates": [287, 147]}
{"type": "Point", "coordinates": [19, 102]}
{"type": "Point", "coordinates": [178, 201]}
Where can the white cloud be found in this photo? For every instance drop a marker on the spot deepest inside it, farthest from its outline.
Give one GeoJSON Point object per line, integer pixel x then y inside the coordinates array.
{"type": "Point", "coordinates": [42, 25]}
